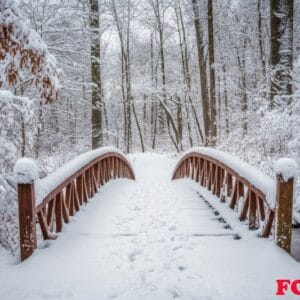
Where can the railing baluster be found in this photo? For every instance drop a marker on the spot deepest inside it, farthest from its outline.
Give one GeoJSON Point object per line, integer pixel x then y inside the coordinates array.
{"type": "Point", "coordinates": [43, 225]}
{"type": "Point", "coordinates": [252, 211]}
{"type": "Point", "coordinates": [245, 208]}
{"type": "Point", "coordinates": [58, 213]}
{"type": "Point", "coordinates": [64, 207]}
{"type": "Point", "coordinates": [234, 195]}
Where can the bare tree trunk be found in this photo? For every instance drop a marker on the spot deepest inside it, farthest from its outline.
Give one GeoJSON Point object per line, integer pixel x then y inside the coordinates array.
{"type": "Point", "coordinates": [97, 97]}
{"type": "Point", "coordinates": [212, 84]}
{"type": "Point", "coordinates": [260, 39]}
{"type": "Point", "coordinates": [225, 98]}
{"type": "Point", "coordinates": [281, 51]}
{"type": "Point", "coordinates": [154, 110]}
{"type": "Point", "coordinates": [138, 127]}
{"type": "Point", "coordinates": [244, 100]}
{"type": "Point", "coordinates": [202, 69]}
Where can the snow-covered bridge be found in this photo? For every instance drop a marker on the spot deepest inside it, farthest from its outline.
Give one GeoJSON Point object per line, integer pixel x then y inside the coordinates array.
{"type": "Point", "coordinates": [148, 238]}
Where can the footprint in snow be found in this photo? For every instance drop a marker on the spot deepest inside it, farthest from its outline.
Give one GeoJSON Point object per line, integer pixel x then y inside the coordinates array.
{"type": "Point", "coordinates": [181, 268]}
{"type": "Point", "coordinates": [172, 228]}
{"type": "Point", "coordinates": [132, 256]}
{"type": "Point", "coordinates": [175, 293]}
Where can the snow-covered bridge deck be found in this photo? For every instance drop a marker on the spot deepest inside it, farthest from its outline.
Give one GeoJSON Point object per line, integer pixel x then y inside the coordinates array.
{"type": "Point", "coordinates": [152, 238]}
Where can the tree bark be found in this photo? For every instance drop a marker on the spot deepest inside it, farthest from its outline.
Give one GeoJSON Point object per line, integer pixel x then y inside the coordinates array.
{"type": "Point", "coordinates": [202, 70]}
{"type": "Point", "coordinates": [212, 83]}
{"type": "Point", "coordinates": [97, 97]}
{"type": "Point", "coordinates": [281, 51]}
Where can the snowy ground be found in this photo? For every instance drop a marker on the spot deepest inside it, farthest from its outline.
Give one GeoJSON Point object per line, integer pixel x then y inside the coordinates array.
{"type": "Point", "coordinates": [149, 239]}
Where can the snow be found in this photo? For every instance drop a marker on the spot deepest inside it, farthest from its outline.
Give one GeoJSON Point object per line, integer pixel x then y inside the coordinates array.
{"type": "Point", "coordinates": [26, 170]}
{"type": "Point", "coordinates": [260, 180]}
{"type": "Point", "coordinates": [152, 238]}
{"type": "Point", "coordinates": [45, 185]}
{"type": "Point", "coordinates": [287, 168]}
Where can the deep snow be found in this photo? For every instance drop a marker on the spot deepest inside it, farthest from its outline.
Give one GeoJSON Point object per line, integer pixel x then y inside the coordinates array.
{"type": "Point", "coordinates": [152, 238]}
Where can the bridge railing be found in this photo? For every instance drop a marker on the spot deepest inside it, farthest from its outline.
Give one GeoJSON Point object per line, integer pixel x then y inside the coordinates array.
{"type": "Point", "coordinates": [257, 198]}
{"type": "Point", "coordinates": [49, 202]}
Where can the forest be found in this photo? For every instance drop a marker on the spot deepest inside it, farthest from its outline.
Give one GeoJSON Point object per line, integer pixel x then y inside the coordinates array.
{"type": "Point", "coordinates": [151, 75]}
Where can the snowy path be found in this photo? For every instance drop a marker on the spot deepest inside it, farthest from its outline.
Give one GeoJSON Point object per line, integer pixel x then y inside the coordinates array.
{"type": "Point", "coordinates": [149, 239]}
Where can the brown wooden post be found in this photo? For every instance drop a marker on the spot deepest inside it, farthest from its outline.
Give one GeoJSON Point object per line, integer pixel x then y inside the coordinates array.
{"type": "Point", "coordinates": [284, 209]}
{"type": "Point", "coordinates": [27, 219]}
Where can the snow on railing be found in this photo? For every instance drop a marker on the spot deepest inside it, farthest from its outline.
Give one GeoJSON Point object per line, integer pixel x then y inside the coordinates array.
{"type": "Point", "coordinates": [45, 185]}
{"type": "Point", "coordinates": [53, 199]}
{"type": "Point", "coordinates": [257, 178]}
{"type": "Point", "coordinates": [263, 199]}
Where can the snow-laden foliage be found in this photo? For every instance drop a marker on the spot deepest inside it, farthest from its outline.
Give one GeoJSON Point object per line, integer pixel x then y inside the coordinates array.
{"type": "Point", "coordinates": [23, 55]}
{"type": "Point", "coordinates": [16, 130]}
{"type": "Point", "coordinates": [16, 134]}
{"type": "Point", "coordinates": [9, 229]}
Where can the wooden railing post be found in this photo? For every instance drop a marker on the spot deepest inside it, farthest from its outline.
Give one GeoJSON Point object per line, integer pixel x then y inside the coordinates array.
{"type": "Point", "coordinates": [284, 202]}
{"type": "Point", "coordinates": [27, 229]}
{"type": "Point", "coordinates": [26, 172]}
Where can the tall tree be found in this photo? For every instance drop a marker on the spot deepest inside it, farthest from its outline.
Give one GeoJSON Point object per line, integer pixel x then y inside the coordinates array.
{"type": "Point", "coordinates": [281, 51]}
{"type": "Point", "coordinates": [202, 69]}
{"type": "Point", "coordinates": [97, 93]}
{"type": "Point", "coordinates": [212, 81]}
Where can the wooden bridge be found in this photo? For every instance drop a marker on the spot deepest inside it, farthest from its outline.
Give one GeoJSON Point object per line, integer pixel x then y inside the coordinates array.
{"type": "Point", "coordinates": [260, 201]}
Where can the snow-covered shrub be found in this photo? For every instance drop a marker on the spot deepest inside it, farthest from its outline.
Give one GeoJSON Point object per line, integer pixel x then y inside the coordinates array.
{"type": "Point", "coordinates": [23, 54]}
{"type": "Point", "coordinates": [17, 128]}
{"type": "Point", "coordinates": [9, 231]}
{"type": "Point", "coordinates": [274, 134]}
{"type": "Point", "coordinates": [16, 134]}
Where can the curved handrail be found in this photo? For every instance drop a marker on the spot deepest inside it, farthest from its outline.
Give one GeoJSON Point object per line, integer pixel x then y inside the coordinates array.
{"type": "Point", "coordinates": [225, 182]}
{"type": "Point", "coordinates": [50, 194]}
{"type": "Point", "coordinates": [61, 194]}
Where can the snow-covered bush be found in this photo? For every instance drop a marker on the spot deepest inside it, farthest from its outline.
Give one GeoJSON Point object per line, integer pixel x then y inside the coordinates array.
{"type": "Point", "coordinates": [16, 134]}
{"type": "Point", "coordinates": [9, 231]}
{"type": "Point", "coordinates": [23, 54]}
{"type": "Point", "coordinates": [17, 128]}
{"type": "Point", "coordinates": [274, 135]}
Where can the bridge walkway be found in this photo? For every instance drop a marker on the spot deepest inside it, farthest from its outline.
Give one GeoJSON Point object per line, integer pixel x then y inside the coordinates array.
{"type": "Point", "coordinates": [152, 238]}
